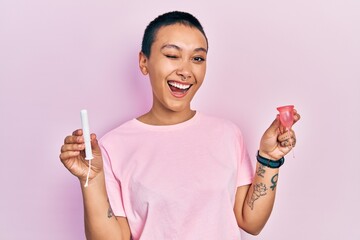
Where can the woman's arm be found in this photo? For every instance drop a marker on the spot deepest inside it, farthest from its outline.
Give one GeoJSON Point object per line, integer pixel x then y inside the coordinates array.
{"type": "Point", "coordinates": [100, 222]}
{"type": "Point", "coordinates": [254, 203]}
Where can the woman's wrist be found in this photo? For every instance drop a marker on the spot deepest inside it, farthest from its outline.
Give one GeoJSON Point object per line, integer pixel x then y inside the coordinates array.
{"type": "Point", "coordinates": [269, 162]}
{"type": "Point", "coordinates": [99, 178]}
{"type": "Point", "coordinates": [265, 155]}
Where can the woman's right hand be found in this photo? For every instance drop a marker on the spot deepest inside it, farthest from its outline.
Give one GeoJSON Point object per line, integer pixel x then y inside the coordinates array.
{"type": "Point", "coordinates": [73, 156]}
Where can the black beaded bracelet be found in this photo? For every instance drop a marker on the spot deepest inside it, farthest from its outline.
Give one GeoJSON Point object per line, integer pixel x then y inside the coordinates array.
{"type": "Point", "coordinates": [270, 163]}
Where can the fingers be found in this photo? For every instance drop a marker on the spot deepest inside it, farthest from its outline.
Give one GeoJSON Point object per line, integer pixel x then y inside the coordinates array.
{"type": "Point", "coordinates": [73, 145]}
{"type": "Point", "coordinates": [69, 154]}
{"type": "Point", "coordinates": [287, 139]}
{"type": "Point", "coordinates": [70, 150]}
{"type": "Point", "coordinates": [77, 132]}
{"type": "Point", "coordinates": [288, 143]}
{"type": "Point", "coordinates": [76, 137]}
{"type": "Point", "coordinates": [94, 143]}
{"type": "Point", "coordinates": [73, 140]}
{"type": "Point", "coordinates": [296, 116]}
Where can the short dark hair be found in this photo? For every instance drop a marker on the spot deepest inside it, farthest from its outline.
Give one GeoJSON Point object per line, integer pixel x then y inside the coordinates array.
{"type": "Point", "coordinates": [166, 19]}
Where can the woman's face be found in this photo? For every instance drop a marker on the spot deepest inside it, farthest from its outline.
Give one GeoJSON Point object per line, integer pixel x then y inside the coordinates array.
{"type": "Point", "coordinates": [176, 66]}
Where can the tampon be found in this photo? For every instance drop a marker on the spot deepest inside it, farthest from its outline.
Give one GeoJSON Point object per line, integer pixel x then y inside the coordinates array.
{"type": "Point", "coordinates": [86, 134]}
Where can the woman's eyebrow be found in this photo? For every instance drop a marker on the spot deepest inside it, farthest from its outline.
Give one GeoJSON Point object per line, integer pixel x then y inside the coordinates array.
{"type": "Point", "coordinates": [200, 49]}
{"type": "Point", "coordinates": [171, 46]}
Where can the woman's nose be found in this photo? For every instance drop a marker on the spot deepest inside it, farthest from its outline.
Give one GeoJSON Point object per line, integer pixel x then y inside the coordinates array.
{"type": "Point", "coordinates": [184, 71]}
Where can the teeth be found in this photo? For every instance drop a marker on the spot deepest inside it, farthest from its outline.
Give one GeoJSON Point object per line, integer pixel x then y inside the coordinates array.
{"type": "Point", "coordinates": [179, 85]}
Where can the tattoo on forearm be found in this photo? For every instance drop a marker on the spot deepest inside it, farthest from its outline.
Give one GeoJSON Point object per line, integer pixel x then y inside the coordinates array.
{"type": "Point", "coordinates": [274, 180]}
{"type": "Point", "coordinates": [261, 170]}
{"type": "Point", "coordinates": [259, 190]}
{"type": "Point", "coordinates": [110, 212]}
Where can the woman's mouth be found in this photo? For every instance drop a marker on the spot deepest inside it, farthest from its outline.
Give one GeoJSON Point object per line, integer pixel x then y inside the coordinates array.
{"type": "Point", "coordinates": [179, 89]}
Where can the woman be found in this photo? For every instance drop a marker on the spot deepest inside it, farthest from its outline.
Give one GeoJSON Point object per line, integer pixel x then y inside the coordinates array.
{"type": "Point", "coordinates": [174, 173]}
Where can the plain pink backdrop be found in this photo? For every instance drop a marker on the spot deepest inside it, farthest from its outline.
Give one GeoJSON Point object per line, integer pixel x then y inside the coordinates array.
{"type": "Point", "coordinates": [58, 57]}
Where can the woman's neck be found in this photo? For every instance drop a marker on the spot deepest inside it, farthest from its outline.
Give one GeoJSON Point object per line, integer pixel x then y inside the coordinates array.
{"type": "Point", "coordinates": [166, 117]}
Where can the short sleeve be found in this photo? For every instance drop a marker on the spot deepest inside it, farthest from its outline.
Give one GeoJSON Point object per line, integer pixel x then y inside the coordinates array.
{"type": "Point", "coordinates": [113, 186]}
{"type": "Point", "coordinates": [245, 168]}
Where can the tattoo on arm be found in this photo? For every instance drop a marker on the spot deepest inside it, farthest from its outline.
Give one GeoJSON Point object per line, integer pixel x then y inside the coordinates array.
{"type": "Point", "coordinates": [259, 190]}
{"type": "Point", "coordinates": [110, 212]}
{"type": "Point", "coordinates": [274, 180]}
{"type": "Point", "coordinates": [261, 170]}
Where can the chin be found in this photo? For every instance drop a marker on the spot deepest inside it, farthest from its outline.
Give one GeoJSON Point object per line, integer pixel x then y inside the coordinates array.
{"type": "Point", "coordinates": [178, 107]}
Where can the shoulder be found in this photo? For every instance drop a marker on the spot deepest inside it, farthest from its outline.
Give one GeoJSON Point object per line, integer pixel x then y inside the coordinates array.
{"type": "Point", "coordinates": [219, 122]}
{"type": "Point", "coordinates": [118, 132]}
{"type": "Point", "coordinates": [221, 127]}
{"type": "Point", "coordinates": [224, 130]}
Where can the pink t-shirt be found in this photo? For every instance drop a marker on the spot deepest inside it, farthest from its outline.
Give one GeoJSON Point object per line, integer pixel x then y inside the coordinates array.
{"type": "Point", "coordinates": [177, 181]}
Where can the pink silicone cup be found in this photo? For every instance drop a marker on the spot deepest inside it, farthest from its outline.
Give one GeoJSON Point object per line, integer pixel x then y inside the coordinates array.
{"type": "Point", "coordinates": [286, 115]}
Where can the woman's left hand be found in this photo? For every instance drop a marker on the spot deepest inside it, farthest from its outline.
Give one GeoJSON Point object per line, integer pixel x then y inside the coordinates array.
{"type": "Point", "coordinates": [278, 141]}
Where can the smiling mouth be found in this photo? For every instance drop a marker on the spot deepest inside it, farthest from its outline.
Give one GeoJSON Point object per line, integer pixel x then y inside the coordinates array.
{"type": "Point", "coordinates": [179, 89]}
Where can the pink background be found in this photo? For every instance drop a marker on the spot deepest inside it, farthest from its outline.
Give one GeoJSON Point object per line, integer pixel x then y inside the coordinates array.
{"type": "Point", "coordinates": [59, 56]}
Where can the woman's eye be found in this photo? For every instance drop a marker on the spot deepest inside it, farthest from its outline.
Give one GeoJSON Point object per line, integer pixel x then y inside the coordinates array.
{"type": "Point", "coordinates": [199, 59]}
{"type": "Point", "coordinates": [171, 56]}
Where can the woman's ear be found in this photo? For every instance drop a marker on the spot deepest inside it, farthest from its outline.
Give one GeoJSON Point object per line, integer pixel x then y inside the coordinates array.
{"type": "Point", "coordinates": [143, 63]}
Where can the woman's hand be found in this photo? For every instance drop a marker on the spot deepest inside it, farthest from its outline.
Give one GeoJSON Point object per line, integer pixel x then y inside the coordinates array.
{"type": "Point", "coordinates": [278, 141]}
{"type": "Point", "coordinates": [73, 156]}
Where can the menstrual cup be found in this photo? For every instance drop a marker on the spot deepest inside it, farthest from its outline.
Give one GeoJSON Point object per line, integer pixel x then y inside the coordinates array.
{"type": "Point", "coordinates": [286, 116]}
